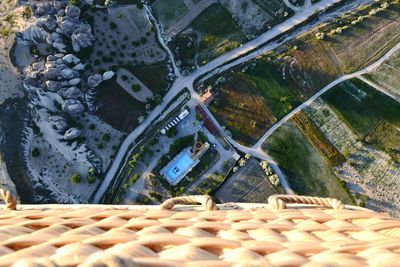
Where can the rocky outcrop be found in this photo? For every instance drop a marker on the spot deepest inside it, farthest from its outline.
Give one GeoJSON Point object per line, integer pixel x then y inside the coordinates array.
{"type": "Point", "coordinates": [58, 123]}
{"type": "Point", "coordinates": [70, 93]}
{"type": "Point", "coordinates": [73, 107]}
{"type": "Point", "coordinates": [94, 80]}
{"type": "Point", "coordinates": [108, 75]}
{"type": "Point", "coordinates": [71, 134]}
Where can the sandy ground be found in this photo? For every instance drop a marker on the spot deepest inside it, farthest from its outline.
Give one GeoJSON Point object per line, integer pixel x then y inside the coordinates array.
{"type": "Point", "coordinates": [131, 25]}
{"type": "Point", "coordinates": [10, 82]}
{"type": "Point", "coordinates": [251, 19]}
{"type": "Point", "coordinates": [143, 95]}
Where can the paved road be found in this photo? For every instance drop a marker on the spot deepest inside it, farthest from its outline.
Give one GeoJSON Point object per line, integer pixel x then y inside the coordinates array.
{"type": "Point", "coordinates": [370, 68]}
{"type": "Point", "coordinates": [187, 81]}
{"type": "Point", "coordinates": [379, 88]}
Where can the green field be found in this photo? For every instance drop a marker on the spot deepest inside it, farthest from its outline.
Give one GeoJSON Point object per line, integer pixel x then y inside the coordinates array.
{"type": "Point", "coordinates": [249, 103]}
{"type": "Point", "coordinates": [306, 170]}
{"type": "Point", "coordinates": [372, 115]}
{"type": "Point", "coordinates": [350, 110]}
{"type": "Point", "coordinates": [218, 32]}
{"type": "Point", "coordinates": [362, 107]}
{"type": "Point", "coordinates": [275, 91]}
{"type": "Point", "coordinates": [169, 11]}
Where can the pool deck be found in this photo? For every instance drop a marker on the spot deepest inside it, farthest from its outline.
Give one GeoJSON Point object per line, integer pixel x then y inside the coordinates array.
{"type": "Point", "coordinates": [181, 165]}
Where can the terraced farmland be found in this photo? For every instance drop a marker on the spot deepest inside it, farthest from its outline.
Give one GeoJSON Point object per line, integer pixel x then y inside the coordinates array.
{"type": "Point", "coordinates": [368, 169]}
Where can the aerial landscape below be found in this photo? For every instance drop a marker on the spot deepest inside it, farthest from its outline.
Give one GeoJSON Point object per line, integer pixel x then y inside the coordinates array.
{"type": "Point", "coordinates": [137, 101]}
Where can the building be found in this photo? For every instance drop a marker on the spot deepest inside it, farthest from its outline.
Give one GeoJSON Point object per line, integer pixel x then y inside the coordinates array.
{"type": "Point", "coordinates": [182, 164]}
{"type": "Point", "coordinates": [207, 98]}
{"type": "Point", "coordinates": [172, 123]}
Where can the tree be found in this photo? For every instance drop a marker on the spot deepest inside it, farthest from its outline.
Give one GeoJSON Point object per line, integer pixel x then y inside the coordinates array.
{"type": "Point", "coordinates": [35, 152]}
{"type": "Point", "coordinates": [247, 156]}
{"type": "Point", "coordinates": [106, 137]}
{"type": "Point", "coordinates": [139, 5]}
{"type": "Point", "coordinates": [274, 179]}
{"type": "Point", "coordinates": [75, 178]}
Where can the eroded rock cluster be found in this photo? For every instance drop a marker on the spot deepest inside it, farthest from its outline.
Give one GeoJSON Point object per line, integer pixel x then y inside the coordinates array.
{"type": "Point", "coordinates": [55, 40]}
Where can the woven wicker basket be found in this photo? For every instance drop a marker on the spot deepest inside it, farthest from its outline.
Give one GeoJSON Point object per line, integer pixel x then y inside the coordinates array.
{"type": "Point", "coordinates": [317, 232]}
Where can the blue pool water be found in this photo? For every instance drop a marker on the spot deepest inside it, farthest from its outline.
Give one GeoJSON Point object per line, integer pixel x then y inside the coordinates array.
{"type": "Point", "coordinates": [179, 167]}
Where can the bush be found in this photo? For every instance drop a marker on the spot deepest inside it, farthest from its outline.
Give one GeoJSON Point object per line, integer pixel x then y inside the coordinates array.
{"type": "Point", "coordinates": [91, 179]}
{"type": "Point", "coordinates": [361, 204]}
{"type": "Point", "coordinates": [92, 126]}
{"type": "Point", "coordinates": [106, 137]}
{"type": "Point", "coordinates": [35, 152]}
{"type": "Point", "coordinates": [136, 87]}
{"type": "Point", "coordinates": [75, 178]}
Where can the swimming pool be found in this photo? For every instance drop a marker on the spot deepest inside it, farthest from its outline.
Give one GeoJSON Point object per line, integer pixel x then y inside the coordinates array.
{"type": "Point", "coordinates": [179, 167]}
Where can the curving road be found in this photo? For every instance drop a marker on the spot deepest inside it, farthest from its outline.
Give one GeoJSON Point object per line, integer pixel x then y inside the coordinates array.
{"type": "Point", "coordinates": [188, 81]}
{"type": "Point", "coordinates": [370, 68]}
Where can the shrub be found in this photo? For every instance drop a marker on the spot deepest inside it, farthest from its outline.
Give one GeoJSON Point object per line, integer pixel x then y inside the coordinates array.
{"type": "Point", "coordinates": [106, 137]}
{"type": "Point", "coordinates": [27, 13]}
{"type": "Point", "coordinates": [75, 178]}
{"type": "Point", "coordinates": [91, 179]}
{"type": "Point", "coordinates": [136, 87]}
{"type": "Point", "coordinates": [35, 152]}
{"type": "Point", "coordinates": [143, 40]}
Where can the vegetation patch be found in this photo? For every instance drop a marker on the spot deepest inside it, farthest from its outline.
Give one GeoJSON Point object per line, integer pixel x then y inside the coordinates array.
{"type": "Point", "coordinates": [250, 100]}
{"type": "Point", "coordinates": [306, 171]}
{"type": "Point", "coordinates": [317, 138]}
{"type": "Point", "coordinates": [386, 138]}
{"type": "Point", "coordinates": [350, 109]}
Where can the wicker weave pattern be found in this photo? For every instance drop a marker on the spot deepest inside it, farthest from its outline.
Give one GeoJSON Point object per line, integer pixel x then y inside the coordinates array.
{"type": "Point", "coordinates": [262, 237]}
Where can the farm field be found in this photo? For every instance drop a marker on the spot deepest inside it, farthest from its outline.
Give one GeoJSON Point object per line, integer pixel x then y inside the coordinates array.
{"type": "Point", "coordinates": [248, 102]}
{"type": "Point", "coordinates": [368, 169]}
{"type": "Point", "coordinates": [317, 138]}
{"type": "Point", "coordinates": [362, 107]}
{"type": "Point", "coordinates": [275, 83]}
{"type": "Point", "coordinates": [306, 170]}
{"type": "Point", "coordinates": [311, 63]}
{"type": "Point", "coordinates": [249, 184]}
{"type": "Point", "coordinates": [388, 75]}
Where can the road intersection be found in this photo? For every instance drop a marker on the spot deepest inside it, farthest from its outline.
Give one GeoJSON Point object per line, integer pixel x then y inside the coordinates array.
{"type": "Point", "coordinates": [234, 57]}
